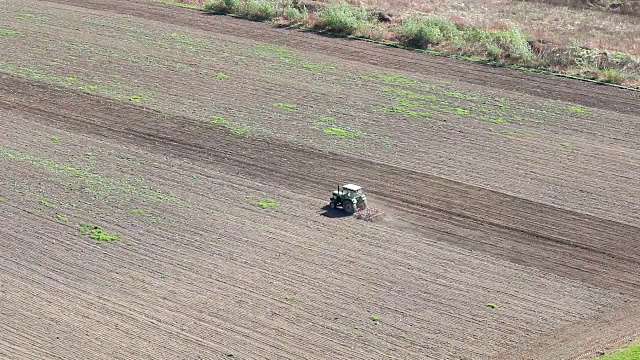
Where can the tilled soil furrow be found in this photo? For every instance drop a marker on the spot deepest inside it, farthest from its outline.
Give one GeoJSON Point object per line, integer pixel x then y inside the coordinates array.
{"type": "Point", "coordinates": [119, 308]}
{"type": "Point", "coordinates": [258, 351]}
{"type": "Point", "coordinates": [10, 350]}
{"type": "Point", "coordinates": [436, 194]}
{"type": "Point", "coordinates": [187, 257]}
{"type": "Point", "coordinates": [228, 331]}
{"type": "Point", "coordinates": [552, 179]}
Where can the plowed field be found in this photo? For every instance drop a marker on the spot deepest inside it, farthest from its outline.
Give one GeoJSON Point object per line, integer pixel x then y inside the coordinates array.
{"type": "Point", "coordinates": [205, 149]}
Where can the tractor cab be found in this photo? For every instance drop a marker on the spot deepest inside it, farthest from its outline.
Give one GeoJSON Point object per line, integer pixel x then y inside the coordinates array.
{"type": "Point", "coordinates": [349, 190]}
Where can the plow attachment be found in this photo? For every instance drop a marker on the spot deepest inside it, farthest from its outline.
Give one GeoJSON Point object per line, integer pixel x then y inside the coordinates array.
{"type": "Point", "coordinates": [369, 214]}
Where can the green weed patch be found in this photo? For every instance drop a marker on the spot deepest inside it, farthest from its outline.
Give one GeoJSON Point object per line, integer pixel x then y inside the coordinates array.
{"type": "Point", "coordinates": [137, 98]}
{"type": "Point", "coordinates": [461, 112]}
{"type": "Point", "coordinates": [289, 58]}
{"type": "Point", "coordinates": [404, 111]}
{"type": "Point", "coordinates": [329, 126]}
{"type": "Point", "coordinates": [394, 79]}
{"type": "Point", "coordinates": [8, 32]}
{"type": "Point", "coordinates": [46, 202]}
{"type": "Point", "coordinates": [26, 15]}
{"type": "Point", "coordinates": [340, 132]}
{"type": "Point", "coordinates": [221, 76]}
{"type": "Point", "coordinates": [181, 38]}
{"type": "Point", "coordinates": [267, 203]}
{"type": "Point", "coordinates": [219, 120]}
{"type": "Point", "coordinates": [143, 214]}
{"type": "Point", "coordinates": [286, 106]}
{"type": "Point", "coordinates": [578, 110]}
{"type": "Point", "coordinates": [236, 128]}
{"type": "Point", "coordinates": [179, 4]}
{"type": "Point", "coordinates": [97, 233]}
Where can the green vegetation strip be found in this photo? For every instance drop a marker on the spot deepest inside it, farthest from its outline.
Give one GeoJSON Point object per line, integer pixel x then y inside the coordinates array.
{"type": "Point", "coordinates": [291, 59]}
{"type": "Point", "coordinates": [630, 352]}
{"type": "Point", "coordinates": [97, 184]}
{"type": "Point", "coordinates": [8, 32]}
{"type": "Point", "coordinates": [111, 89]}
{"type": "Point", "coordinates": [503, 48]}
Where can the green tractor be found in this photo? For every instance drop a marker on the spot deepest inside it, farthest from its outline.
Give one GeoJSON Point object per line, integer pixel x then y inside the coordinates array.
{"type": "Point", "coordinates": [350, 198]}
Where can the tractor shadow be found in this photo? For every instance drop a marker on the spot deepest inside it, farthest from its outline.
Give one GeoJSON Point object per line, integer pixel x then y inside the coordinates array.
{"type": "Point", "coordinates": [330, 213]}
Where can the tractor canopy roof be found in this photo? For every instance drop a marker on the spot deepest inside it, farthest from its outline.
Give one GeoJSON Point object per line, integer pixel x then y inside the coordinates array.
{"type": "Point", "coordinates": [352, 187]}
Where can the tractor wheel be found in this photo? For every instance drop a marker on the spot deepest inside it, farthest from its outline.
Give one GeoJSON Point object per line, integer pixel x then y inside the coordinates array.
{"type": "Point", "coordinates": [332, 205]}
{"type": "Point", "coordinates": [348, 207]}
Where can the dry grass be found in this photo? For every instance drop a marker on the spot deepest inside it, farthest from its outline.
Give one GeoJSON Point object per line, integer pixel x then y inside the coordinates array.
{"type": "Point", "coordinates": [560, 24]}
{"type": "Point", "coordinates": [559, 29]}
{"type": "Point", "coordinates": [626, 7]}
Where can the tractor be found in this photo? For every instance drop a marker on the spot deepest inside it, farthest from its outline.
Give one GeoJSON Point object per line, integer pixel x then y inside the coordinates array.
{"type": "Point", "coordinates": [350, 198]}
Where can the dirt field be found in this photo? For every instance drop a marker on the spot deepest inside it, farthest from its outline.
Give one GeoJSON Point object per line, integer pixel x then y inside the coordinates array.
{"type": "Point", "coordinates": [168, 128]}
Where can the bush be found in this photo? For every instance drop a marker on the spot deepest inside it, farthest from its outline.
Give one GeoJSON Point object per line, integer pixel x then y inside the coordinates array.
{"type": "Point", "coordinates": [297, 15]}
{"type": "Point", "coordinates": [509, 43]}
{"type": "Point", "coordinates": [222, 6]}
{"type": "Point", "coordinates": [256, 10]}
{"type": "Point", "coordinates": [344, 18]}
{"type": "Point", "coordinates": [423, 32]}
{"type": "Point", "coordinates": [434, 30]}
{"type": "Point", "coordinates": [612, 76]}
{"type": "Point", "coordinates": [259, 10]}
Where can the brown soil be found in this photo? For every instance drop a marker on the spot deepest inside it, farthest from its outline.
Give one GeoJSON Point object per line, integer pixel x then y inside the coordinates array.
{"type": "Point", "coordinates": [471, 218]}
